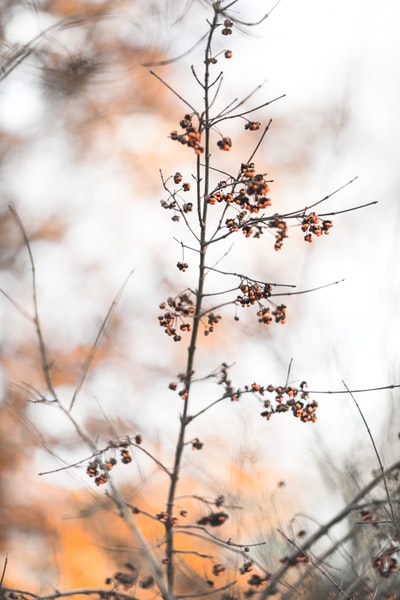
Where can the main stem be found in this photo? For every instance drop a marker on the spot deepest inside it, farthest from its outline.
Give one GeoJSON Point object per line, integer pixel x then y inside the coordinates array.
{"type": "Point", "coordinates": [202, 189]}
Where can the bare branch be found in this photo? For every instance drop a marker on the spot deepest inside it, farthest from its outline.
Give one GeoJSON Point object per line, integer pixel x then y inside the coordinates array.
{"type": "Point", "coordinates": [171, 89]}
{"type": "Point", "coordinates": [92, 352]}
{"type": "Point", "coordinates": [3, 571]}
{"type": "Point", "coordinates": [100, 592]}
{"type": "Point", "coordinates": [381, 467]}
{"type": "Point", "coordinates": [169, 61]}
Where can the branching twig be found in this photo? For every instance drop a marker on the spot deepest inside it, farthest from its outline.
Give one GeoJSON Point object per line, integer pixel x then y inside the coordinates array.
{"type": "Point", "coordinates": [100, 592]}
{"type": "Point", "coordinates": [45, 364]}
{"type": "Point", "coordinates": [211, 593]}
{"type": "Point", "coordinates": [171, 89]}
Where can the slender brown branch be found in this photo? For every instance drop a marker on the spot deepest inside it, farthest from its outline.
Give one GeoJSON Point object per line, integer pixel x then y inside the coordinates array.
{"type": "Point", "coordinates": [19, 308]}
{"type": "Point", "coordinates": [260, 141]}
{"type": "Point", "coordinates": [100, 592]}
{"type": "Point", "coordinates": [252, 23]}
{"type": "Point", "coordinates": [45, 364]}
{"type": "Point", "coordinates": [42, 347]}
{"type": "Point", "coordinates": [99, 452]}
{"type": "Point", "coordinates": [392, 386]}
{"type": "Point", "coordinates": [92, 352]}
{"type": "Point", "coordinates": [171, 89]}
{"type": "Point", "coordinates": [3, 571]}
{"type": "Point", "coordinates": [235, 104]}
{"type": "Point", "coordinates": [169, 61]}
{"type": "Point", "coordinates": [247, 112]}
{"type": "Point", "coordinates": [307, 291]}
{"type": "Point", "coordinates": [339, 189]}
{"type": "Point", "coordinates": [381, 467]}
{"type": "Point", "coordinates": [210, 593]}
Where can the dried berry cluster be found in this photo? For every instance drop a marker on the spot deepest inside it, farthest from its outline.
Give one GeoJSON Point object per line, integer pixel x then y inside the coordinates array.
{"type": "Point", "coordinates": [225, 144]}
{"type": "Point", "coordinates": [227, 29]}
{"type": "Point", "coordinates": [212, 320]}
{"type": "Point", "coordinates": [253, 292]}
{"type": "Point", "coordinates": [167, 520]}
{"type": "Point", "coordinates": [127, 581]}
{"type": "Point", "coordinates": [289, 399]}
{"type": "Point", "coordinates": [214, 519]}
{"type": "Point", "coordinates": [253, 125]}
{"type": "Point", "coordinates": [258, 580]}
{"type": "Point", "coordinates": [386, 565]}
{"type": "Point", "coordinates": [182, 266]}
{"type": "Point", "coordinates": [225, 380]}
{"type": "Point", "coordinates": [251, 199]}
{"type": "Point", "coordinates": [266, 315]}
{"type": "Point", "coordinates": [99, 468]}
{"type": "Point", "coordinates": [313, 225]}
{"type": "Point", "coordinates": [182, 308]}
{"type": "Point", "coordinates": [282, 231]}
{"type": "Point", "coordinates": [295, 560]}
{"type": "Point", "coordinates": [255, 581]}
{"type": "Point", "coordinates": [186, 207]}
{"type": "Point", "coordinates": [179, 309]}
{"type": "Point", "coordinates": [190, 137]}
{"type": "Point", "coordinates": [368, 517]}
{"type": "Point", "coordinates": [124, 579]}
{"type": "Point", "coordinates": [196, 444]}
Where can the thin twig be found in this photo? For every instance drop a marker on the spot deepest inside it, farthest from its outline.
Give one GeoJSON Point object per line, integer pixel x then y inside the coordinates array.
{"type": "Point", "coordinates": [288, 372]}
{"type": "Point", "coordinates": [392, 386]}
{"type": "Point", "coordinates": [226, 543]}
{"type": "Point", "coordinates": [247, 278]}
{"type": "Point", "coordinates": [260, 141]}
{"type": "Point", "coordinates": [247, 112]}
{"type": "Point", "coordinates": [210, 593]}
{"type": "Point", "coordinates": [4, 571]}
{"type": "Point", "coordinates": [169, 61]}
{"type": "Point", "coordinates": [19, 308]}
{"type": "Point", "coordinates": [236, 103]}
{"type": "Point", "coordinates": [253, 23]}
{"type": "Point", "coordinates": [92, 352]}
{"type": "Point", "coordinates": [45, 364]}
{"type": "Point", "coordinates": [171, 89]}
{"type": "Point", "coordinates": [381, 467]}
{"type": "Point", "coordinates": [110, 446]}
{"type": "Point", "coordinates": [100, 592]}
{"type": "Point", "coordinates": [307, 291]}
{"type": "Point", "coordinates": [325, 198]}
{"type": "Point", "coordinates": [36, 320]}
